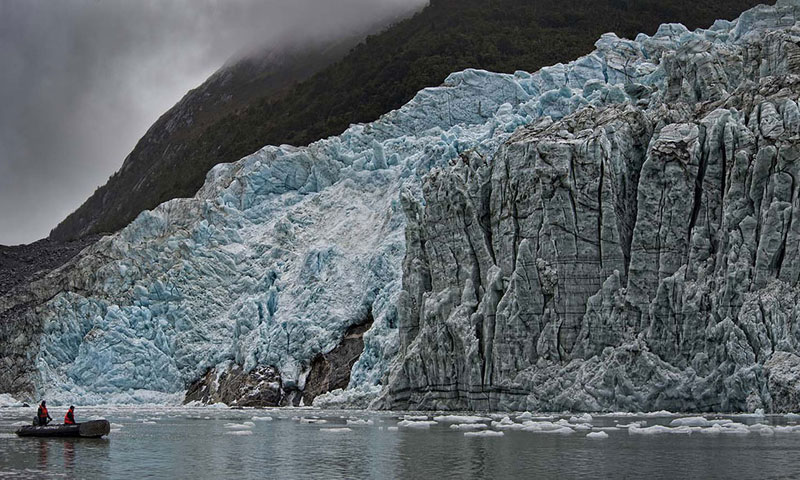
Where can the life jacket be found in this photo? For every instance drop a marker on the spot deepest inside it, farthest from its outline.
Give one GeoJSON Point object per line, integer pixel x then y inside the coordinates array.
{"type": "Point", "coordinates": [43, 412]}
{"type": "Point", "coordinates": [69, 418]}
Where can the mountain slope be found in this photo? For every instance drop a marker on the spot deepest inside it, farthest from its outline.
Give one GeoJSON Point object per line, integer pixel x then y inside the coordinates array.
{"type": "Point", "coordinates": [162, 165]}
{"type": "Point", "coordinates": [383, 73]}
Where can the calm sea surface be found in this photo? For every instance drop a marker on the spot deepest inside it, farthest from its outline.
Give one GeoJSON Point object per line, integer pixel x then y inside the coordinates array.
{"type": "Point", "coordinates": [200, 443]}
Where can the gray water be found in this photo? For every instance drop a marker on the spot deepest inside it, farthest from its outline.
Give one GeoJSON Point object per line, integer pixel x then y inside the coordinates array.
{"type": "Point", "coordinates": [202, 443]}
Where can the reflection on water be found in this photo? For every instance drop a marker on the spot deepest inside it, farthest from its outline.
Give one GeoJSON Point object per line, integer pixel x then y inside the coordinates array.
{"type": "Point", "coordinates": [69, 455]}
{"type": "Point", "coordinates": [43, 454]}
{"type": "Point", "coordinates": [217, 443]}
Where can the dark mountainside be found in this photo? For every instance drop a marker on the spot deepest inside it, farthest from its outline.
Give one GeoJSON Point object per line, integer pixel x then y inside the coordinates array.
{"type": "Point", "coordinates": [27, 263]}
{"type": "Point", "coordinates": [240, 109]}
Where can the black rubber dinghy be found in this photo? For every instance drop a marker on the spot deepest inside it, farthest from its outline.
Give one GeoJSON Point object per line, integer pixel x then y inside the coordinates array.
{"type": "Point", "coordinates": [93, 429]}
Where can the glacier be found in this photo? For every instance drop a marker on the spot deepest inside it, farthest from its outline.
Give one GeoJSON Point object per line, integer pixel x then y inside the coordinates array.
{"type": "Point", "coordinates": [612, 234]}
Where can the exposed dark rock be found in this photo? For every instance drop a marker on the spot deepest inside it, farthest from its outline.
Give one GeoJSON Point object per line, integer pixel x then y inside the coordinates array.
{"type": "Point", "coordinates": [331, 370]}
{"type": "Point", "coordinates": [260, 387]}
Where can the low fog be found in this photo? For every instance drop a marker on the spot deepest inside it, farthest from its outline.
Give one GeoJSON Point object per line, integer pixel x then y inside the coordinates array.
{"type": "Point", "coordinates": [81, 81]}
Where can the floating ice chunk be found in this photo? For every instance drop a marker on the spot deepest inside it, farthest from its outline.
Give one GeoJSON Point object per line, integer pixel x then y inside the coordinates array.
{"type": "Point", "coordinates": [659, 413]}
{"type": "Point", "coordinates": [359, 421]}
{"type": "Point", "coordinates": [735, 428]}
{"type": "Point", "coordinates": [148, 422]}
{"type": "Point", "coordinates": [583, 418]}
{"type": "Point", "coordinates": [761, 429]}
{"type": "Point", "coordinates": [658, 430]}
{"type": "Point", "coordinates": [262, 419]}
{"type": "Point", "coordinates": [582, 427]}
{"type": "Point", "coordinates": [792, 417]}
{"type": "Point", "coordinates": [506, 420]}
{"type": "Point", "coordinates": [392, 429]}
{"type": "Point", "coordinates": [690, 422]}
{"type": "Point", "coordinates": [116, 425]}
{"type": "Point", "coordinates": [560, 431]}
{"type": "Point", "coordinates": [416, 424]}
{"type": "Point", "coordinates": [469, 426]}
{"type": "Point", "coordinates": [507, 424]}
{"type": "Point", "coordinates": [336, 430]}
{"type": "Point", "coordinates": [787, 429]}
{"type": "Point", "coordinates": [560, 427]}
{"type": "Point", "coordinates": [713, 430]}
{"type": "Point", "coordinates": [238, 426]}
{"type": "Point", "coordinates": [461, 419]}
{"type": "Point", "coordinates": [629, 425]}
{"type": "Point", "coordinates": [484, 433]}
{"type": "Point", "coordinates": [525, 416]}
{"type": "Point", "coordinates": [415, 417]}
{"type": "Point", "coordinates": [597, 435]}
{"type": "Point", "coordinates": [239, 432]}
{"type": "Point", "coordinates": [606, 429]}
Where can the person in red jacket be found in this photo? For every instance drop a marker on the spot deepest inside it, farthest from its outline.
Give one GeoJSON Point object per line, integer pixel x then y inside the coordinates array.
{"type": "Point", "coordinates": [42, 415]}
{"type": "Point", "coordinates": [69, 418]}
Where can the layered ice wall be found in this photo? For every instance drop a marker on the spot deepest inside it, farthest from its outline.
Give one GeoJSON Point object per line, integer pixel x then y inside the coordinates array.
{"type": "Point", "coordinates": [621, 251]}
{"type": "Point", "coordinates": [637, 256]}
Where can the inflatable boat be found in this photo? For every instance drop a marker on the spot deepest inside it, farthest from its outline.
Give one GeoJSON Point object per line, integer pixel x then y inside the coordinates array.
{"type": "Point", "coordinates": [92, 429]}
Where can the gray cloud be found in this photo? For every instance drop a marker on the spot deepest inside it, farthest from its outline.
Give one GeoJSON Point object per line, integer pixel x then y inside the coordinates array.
{"type": "Point", "coordinates": [82, 80]}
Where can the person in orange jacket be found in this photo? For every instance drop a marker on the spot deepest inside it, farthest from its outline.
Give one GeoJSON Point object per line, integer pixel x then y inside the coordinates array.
{"type": "Point", "coordinates": [42, 415]}
{"type": "Point", "coordinates": [69, 418]}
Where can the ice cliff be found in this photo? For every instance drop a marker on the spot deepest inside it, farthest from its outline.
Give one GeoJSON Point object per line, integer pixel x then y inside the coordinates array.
{"type": "Point", "coordinates": [617, 233]}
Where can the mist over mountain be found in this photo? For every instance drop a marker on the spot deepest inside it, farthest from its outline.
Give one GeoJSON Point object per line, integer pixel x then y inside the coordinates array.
{"type": "Point", "coordinates": [83, 80]}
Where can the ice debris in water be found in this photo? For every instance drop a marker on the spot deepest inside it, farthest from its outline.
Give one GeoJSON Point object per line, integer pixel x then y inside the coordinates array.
{"type": "Point", "coordinates": [658, 430]}
{"type": "Point", "coordinates": [484, 433]}
{"type": "Point", "coordinates": [262, 419]}
{"type": "Point", "coordinates": [469, 426]}
{"type": "Point", "coordinates": [239, 432]}
{"type": "Point", "coordinates": [597, 435]}
{"type": "Point", "coordinates": [336, 430]}
{"type": "Point", "coordinates": [359, 421]}
{"type": "Point", "coordinates": [415, 417]}
{"type": "Point", "coordinates": [583, 418]}
{"type": "Point", "coordinates": [460, 419]}
{"type": "Point", "coordinates": [697, 422]}
{"type": "Point", "coordinates": [416, 423]}
{"type": "Point", "coordinates": [240, 426]}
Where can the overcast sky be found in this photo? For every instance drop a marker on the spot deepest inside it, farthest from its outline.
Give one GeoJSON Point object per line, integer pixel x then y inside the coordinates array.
{"type": "Point", "coordinates": [82, 80]}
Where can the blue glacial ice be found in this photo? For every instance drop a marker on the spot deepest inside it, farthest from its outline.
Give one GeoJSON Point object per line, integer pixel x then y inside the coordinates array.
{"type": "Point", "coordinates": [280, 252]}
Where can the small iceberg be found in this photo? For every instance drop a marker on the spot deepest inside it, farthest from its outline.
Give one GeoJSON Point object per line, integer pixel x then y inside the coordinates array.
{"type": "Point", "coordinates": [484, 433]}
